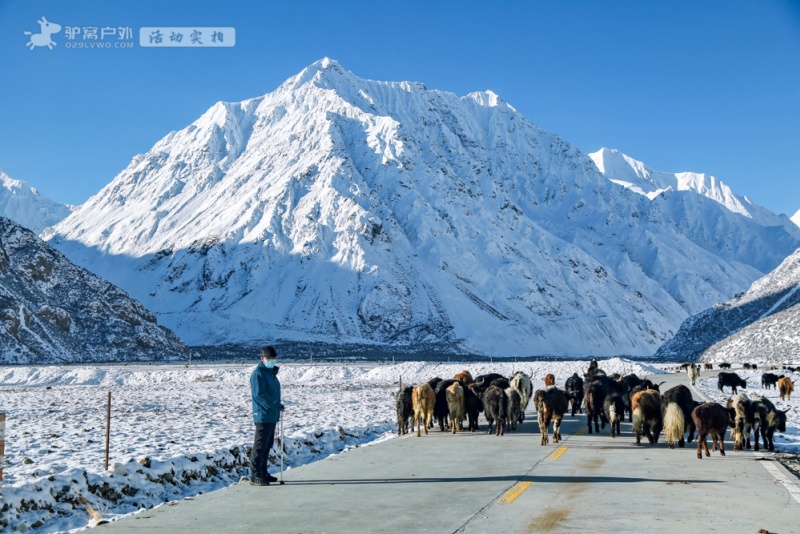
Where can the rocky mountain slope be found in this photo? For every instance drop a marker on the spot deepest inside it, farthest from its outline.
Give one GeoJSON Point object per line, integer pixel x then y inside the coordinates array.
{"type": "Point", "coordinates": [53, 311]}
{"type": "Point", "coordinates": [761, 325]}
{"type": "Point", "coordinates": [343, 210]}
{"type": "Point", "coordinates": [25, 205]}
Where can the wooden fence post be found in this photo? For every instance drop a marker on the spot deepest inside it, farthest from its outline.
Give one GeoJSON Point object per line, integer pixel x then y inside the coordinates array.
{"type": "Point", "coordinates": [108, 427]}
{"type": "Point", "coordinates": [2, 448]}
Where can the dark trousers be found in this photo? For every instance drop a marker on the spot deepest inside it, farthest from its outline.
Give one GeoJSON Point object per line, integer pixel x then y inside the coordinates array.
{"type": "Point", "coordinates": [262, 443]}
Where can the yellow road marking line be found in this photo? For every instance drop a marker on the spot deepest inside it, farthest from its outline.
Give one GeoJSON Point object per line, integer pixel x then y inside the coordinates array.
{"type": "Point", "coordinates": [512, 494]}
{"type": "Point", "coordinates": [581, 431]}
{"type": "Point", "coordinates": [557, 453]}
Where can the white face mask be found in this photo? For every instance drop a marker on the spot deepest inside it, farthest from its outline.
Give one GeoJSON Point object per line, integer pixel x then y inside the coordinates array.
{"type": "Point", "coordinates": [269, 363]}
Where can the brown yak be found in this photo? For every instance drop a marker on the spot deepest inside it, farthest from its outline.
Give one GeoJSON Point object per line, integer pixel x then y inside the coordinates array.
{"type": "Point", "coordinates": [423, 398]}
{"type": "Point", "coordinates": [551, 405]}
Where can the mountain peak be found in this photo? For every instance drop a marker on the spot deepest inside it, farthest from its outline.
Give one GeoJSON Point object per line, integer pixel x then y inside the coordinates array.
{"type": "Point", "coordinates": [486, 98]}
{"type": "Point", "coordinates": [327, 63]}
{"type": "Point", "coordinates": [326, 69]}
{"type": "Point", "coordinates": [23, 204]}
{"type": "Point", "coordinates": [343, 209]}
{"type": "Point", "coordinates": [611, 160]}
{"type": "Point", "coordinates": [10, 183]}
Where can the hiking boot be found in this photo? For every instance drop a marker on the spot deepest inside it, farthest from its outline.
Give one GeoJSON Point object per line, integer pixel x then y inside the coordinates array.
{"type": "Point", "coordinates": [270, 478]}
{"type": "Point", "coordinates": [256, 481]}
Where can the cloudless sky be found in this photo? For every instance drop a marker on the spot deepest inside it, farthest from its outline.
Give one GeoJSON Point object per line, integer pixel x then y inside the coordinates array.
{"type": "Point", "coordinates": [684, 85]}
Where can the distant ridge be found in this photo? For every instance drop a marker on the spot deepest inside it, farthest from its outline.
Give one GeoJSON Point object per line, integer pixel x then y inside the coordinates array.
{"type": "Point", "coordinates": [25, 205]}
{"type": "Point", "coordinates": [637, 177]}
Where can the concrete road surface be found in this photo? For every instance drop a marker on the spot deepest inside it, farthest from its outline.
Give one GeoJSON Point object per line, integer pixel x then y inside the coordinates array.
{"type": "Point", "coordinates": [482, 483]}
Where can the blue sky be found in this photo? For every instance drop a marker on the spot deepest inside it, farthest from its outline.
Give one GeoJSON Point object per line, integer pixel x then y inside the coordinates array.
{"type": "Point", "coordinates": [711, 86]}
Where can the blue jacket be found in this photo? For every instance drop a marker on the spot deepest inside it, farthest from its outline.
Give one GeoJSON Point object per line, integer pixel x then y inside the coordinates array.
{"type": "Point", "coordinates": [266, 391]}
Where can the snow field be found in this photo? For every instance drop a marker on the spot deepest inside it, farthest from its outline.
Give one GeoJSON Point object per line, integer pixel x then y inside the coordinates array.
{"type": "Point", "coordinates": [177, 431]}
{"type": "Point", "coordinates": [788, 442]}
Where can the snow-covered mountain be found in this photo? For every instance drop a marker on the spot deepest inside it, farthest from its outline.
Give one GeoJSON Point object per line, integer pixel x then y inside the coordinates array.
{"type": "Point", "coordinates": [636, 176]}
{"type": "Point", "coordinates": [26, 206]}
{"type": "Point", "coordinates": [796, 218]}
{"type": "Point", "coordinates": [761, 325]}
{"type": "Point", "coordinates": [52, 311]}
{"type": "Point", "coordinates": [343, 210]}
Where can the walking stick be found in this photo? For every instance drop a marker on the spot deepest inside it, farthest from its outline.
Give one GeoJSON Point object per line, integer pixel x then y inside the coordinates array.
{"type": "Point", "coordinates": [281, 475]}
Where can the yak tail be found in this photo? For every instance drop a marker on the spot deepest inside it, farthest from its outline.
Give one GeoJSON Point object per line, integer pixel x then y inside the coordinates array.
{"type": "Point", "coordinates": [613, 413]}
{"type": "Point", "coordinates": [638, 419]}
{"type": "Point", "coordinates": [757, 423]}
{"type": "Point", "coordinates": [673, 423]}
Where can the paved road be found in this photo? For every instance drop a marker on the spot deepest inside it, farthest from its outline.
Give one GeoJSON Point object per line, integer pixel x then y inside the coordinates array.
{"type": "Point", "coordinates": [481, 483]}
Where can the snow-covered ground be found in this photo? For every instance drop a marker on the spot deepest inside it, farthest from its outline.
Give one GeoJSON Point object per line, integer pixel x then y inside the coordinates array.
{"type": "Point", "coordinates": [177, 431]}
{"type": "Point", "coordinates": [788, 442]}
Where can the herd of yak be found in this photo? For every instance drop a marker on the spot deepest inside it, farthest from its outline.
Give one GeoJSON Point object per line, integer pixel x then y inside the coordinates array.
{"type": "Point", "coordinates": [606, 399]}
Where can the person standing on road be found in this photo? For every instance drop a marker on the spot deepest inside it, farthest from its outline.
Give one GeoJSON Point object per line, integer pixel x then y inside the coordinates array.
{"type": "Point", "coordinates": [266, 392]}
